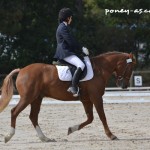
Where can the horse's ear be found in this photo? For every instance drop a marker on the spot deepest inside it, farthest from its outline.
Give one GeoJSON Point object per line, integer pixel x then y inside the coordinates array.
{"type": "Point", "coordinates": [131, 55]}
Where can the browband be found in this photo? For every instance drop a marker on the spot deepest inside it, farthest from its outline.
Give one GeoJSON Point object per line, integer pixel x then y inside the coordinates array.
{"type": "Point", "coordinates": [129, 60]}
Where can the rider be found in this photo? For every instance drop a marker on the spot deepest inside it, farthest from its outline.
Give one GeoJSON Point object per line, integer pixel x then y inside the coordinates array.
{"type": "Point", "coordinates": [67, 47]}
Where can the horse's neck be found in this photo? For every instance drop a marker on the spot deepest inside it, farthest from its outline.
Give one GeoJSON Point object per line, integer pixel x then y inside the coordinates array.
{"type": "Point", "coordinates": [105, 65]}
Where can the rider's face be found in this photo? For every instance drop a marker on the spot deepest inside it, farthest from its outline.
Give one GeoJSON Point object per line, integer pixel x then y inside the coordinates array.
{"type": "Point", "coordinates": [70, 20]}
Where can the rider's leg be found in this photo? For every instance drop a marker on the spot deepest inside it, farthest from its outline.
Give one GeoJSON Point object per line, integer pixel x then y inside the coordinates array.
{"type": "Point", "coordinates": [74, 60]}
{"type": "Point", "coordinates": [74, 89]}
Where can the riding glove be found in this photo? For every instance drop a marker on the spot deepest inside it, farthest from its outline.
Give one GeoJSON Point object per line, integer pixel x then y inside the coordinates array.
{"type": "Point", "coordinates": [85, 50]}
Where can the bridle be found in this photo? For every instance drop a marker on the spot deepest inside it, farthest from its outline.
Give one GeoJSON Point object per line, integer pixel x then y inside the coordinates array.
{"type": "Point", "coordinates": [122, 77]}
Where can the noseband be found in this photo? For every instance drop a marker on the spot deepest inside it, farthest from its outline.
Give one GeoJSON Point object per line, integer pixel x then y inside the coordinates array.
{"type": "Point", "coordinates": [121, 77]}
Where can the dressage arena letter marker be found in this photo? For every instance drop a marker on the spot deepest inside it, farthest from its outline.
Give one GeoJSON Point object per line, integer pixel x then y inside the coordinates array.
{"type": "Point", "coordinates": [138, 80]}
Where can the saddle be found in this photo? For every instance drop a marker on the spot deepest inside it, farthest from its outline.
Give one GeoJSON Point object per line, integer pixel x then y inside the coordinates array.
{"type": "Point", "coordinates": [66, 70]}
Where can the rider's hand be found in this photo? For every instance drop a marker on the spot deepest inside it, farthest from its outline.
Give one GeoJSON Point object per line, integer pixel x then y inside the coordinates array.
{"type": "Point", "coordinates": [85, 50]}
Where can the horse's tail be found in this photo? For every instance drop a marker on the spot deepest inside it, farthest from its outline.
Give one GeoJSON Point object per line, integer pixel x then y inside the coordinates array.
{"type": "Point", "coordinates": [7, 90]}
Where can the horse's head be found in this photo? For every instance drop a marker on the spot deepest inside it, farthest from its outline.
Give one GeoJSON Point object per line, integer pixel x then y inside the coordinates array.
{"type": "Point", "coordinates": [124, 70]}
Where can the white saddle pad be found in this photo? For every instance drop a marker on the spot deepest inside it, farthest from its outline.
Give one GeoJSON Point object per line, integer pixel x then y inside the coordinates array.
{"type": "Point", "coordinates": [64, 73]}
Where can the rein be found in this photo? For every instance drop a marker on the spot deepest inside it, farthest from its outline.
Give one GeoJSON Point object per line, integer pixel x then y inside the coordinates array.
{"type": "Point", "coordinates": [121, 77]}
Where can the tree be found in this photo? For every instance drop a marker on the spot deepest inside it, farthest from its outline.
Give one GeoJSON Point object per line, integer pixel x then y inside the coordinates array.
{"type": "Point", "coordinates": [28, 28]}
{"type": "Point", "coordinates": [121, 31]}
{"type": "Point", "coordinates": [31, 27]}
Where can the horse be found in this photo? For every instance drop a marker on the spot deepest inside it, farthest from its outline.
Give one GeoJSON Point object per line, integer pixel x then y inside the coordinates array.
{"type": "Point", "coordinates": [39, 80]}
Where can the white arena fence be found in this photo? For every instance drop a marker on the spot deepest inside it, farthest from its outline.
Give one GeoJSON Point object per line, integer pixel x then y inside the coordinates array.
{"type": "Point", "coordinates": [112, 95]}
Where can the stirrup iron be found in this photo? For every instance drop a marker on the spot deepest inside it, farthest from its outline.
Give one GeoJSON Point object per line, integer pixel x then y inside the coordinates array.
{"type": "Point", "coordinates": [75, 94]}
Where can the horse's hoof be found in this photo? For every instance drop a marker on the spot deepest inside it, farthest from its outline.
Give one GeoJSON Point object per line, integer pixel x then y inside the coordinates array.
{"type": "Point", "coordinates": [69, 131]}
{"type": "Point", "coordinates": [51, 140]}
{"type": "Point", "coordinates": [45, 139]}
{"type": "Point", "coordinates": [6, 139]}
{"type": "Point", "coordinates": [73, 129]}
{"type": "Point", "coordinates": [9, 135]}
{"type": "Point", "coordinates": [113, 137]}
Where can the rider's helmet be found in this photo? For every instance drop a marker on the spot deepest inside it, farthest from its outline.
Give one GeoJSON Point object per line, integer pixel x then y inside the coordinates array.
{"type": "Point", "coordinates": [64, 13]}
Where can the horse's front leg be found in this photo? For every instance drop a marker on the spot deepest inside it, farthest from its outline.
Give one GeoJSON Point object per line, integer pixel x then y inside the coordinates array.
{"type": "Point", "coordinates": [98, 103]}
{"type": "Point", "coordinates": [88, 106]}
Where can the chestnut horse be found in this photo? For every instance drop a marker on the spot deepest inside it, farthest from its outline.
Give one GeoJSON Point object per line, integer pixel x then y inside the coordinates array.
{"type": "Point", "coordinates": [36, 81]}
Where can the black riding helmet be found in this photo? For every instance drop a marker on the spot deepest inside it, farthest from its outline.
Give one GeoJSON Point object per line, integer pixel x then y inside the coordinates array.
{"type": "Point", "coordinates": [64, 13]}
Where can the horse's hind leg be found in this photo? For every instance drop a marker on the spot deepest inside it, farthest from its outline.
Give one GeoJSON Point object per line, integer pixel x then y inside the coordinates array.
{"type": "Point", "coordinates": [35, 109]}
{"type": "Point", "coordinates": [14, 113]}
{"type": "Point", "coordinates": [88, 106]}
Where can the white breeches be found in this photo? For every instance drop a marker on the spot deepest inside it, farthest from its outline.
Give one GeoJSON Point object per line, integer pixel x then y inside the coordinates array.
{"type": "Point", "coordinates": [74, 60]}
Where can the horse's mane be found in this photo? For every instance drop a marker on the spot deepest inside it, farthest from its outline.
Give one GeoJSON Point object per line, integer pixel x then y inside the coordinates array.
{"type": "Point", "coordinates": [109, 53]}
{"type": "Point", "coordinates": [102, 60]}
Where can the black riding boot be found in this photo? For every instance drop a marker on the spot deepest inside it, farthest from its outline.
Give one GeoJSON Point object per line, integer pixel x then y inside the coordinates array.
{"type": "Point", "coordinates": [74, 89]}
